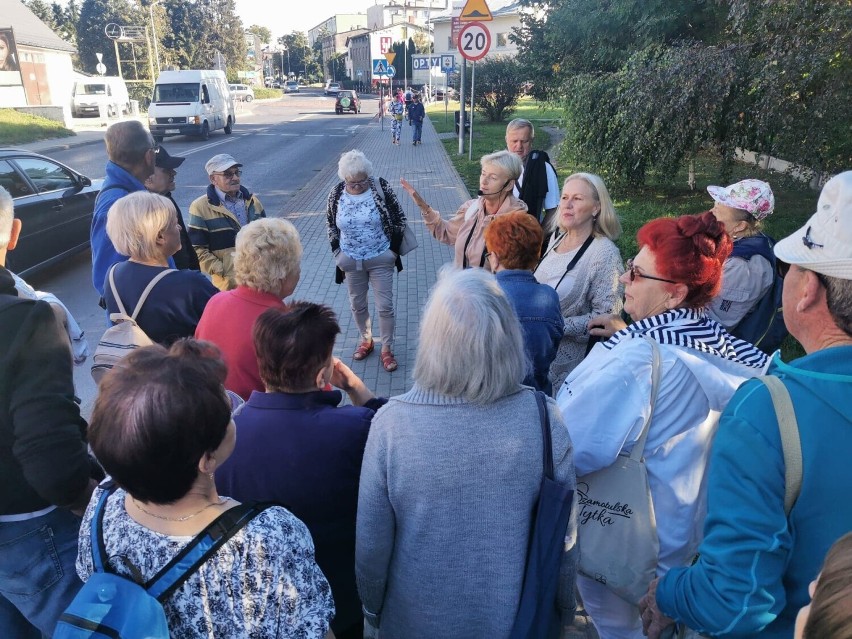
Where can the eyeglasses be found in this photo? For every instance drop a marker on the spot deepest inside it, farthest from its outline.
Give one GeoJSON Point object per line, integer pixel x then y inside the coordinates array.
{"type": "Point", "coordinates": [634, 274]}
{"type": "Point", "coordinates": [807, 241]}
{"type": "Point", "coordinates": [229, 174]}
{"type": "Point", "coordinates": [363, 182]}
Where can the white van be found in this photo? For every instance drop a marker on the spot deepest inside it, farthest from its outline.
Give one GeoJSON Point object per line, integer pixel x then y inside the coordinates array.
{"type": "Point", "coordinates": [191, 103]}
{"type": "Point", "coordinates": [105, 96]}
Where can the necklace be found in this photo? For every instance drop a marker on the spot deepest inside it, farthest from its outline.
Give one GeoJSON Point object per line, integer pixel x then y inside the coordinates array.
{"type": "Point", "coordinates": [220, 501]}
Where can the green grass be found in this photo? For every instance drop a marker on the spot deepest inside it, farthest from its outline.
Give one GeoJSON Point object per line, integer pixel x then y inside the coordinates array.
{"type": "Point", "coordinates": [20, 128]}
{"type": "Point", "coordinates": [794, 201]}
{"type": "Point", "coordinates": [262, 94]}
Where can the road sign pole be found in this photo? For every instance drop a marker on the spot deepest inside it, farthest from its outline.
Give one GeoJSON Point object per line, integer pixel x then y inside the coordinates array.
{"type": "Point", "coordinates": [472, 93]}
{"type": "Point", "coordinates": [461, 108]}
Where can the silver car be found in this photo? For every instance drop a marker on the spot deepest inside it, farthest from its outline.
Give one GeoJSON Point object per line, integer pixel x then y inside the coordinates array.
{"type": "Point", "coordinates": [242, 92]}
{"type": "Point", "coordinates": [291, 87]}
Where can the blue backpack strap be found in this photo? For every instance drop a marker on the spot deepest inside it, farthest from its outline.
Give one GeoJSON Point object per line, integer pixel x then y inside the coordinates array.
{"type": "Point", "coordinates": [99, 555]}
{"type": "Point", "coordinates": [203, 546]}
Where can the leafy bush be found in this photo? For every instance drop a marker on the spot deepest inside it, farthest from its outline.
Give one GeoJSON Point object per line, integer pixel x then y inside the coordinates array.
{"type": "Point", "coordinates": [262, 94]}
{"type": "Point", "coordinates": [498, 86]}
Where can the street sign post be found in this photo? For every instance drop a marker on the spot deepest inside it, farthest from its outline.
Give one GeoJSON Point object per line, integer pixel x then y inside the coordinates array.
{"type": "Point", "coordinates": [474, 41]}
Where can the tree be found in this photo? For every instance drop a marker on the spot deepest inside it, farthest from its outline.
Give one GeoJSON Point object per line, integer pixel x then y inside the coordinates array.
{"type": "Point", "coordinates": [302, 56]}
{"type": "Point", "coordinates": [91, 39]}
{"type": "Point", "coordinates": [498, 87]}
{"type": "Point", "coordinates": [263, 33]}
{"type": "Point", "coordinates": [42, 11]}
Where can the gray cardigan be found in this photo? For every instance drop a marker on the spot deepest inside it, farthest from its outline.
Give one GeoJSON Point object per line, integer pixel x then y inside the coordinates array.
{"type": "Point", "coordinates": [444, 512]}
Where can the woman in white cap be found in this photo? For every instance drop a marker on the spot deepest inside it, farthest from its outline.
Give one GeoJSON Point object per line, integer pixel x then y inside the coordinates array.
{"type": "Point", "coordinates": [749, 272]}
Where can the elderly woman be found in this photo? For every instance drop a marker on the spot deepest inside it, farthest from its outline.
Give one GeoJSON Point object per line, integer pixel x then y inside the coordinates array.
{"type": "Point", "coordinates": [267, 265]}
{"type": "Point", "coordinates": [263, 582]}
{"type": "Point", "coordinates": [365, 228]}
{"type": "Point", "coordinates": [582, 263]}
{"type": "Point", "coordinates": [465, 231]}
{"type": "Point", "coordinates": [298, 447]}
{"type": "Point", "coordinates": [749, 271]}
{"type": "Point", "coordinates": [451, 476]}
{"type": "Point", "coordinates": [145, 227]}
{"type": "Point", "coordinates": [605, 399]}
{"type": "Point", "coordinates": [514, 247]}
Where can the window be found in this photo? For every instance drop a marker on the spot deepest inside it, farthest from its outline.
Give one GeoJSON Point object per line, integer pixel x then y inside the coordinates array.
{"type": "Point", "coordinates": [451, 44]}
{"type": "Point", "coordinates": [47, 176]}
{"type": "Point", "coordinates": [205, 96]}
{"type": "Point", "coordinates": [12, 181]}
{"type": "Point", "coordinates": [502, 40]}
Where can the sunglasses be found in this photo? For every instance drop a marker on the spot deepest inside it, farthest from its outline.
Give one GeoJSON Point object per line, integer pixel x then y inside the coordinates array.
{"type": "Point", "coordinates": [229, 174]}
{"type": "Point", "coordinates": [363, 182]}
{"type": "Point", "coordinates": [634, 274]}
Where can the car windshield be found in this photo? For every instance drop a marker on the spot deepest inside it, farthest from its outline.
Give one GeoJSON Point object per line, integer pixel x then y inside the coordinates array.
{"type": "Point", "coordinates": [91, 89]}
{"type": "Point", "coordinates": [292, 84]}
{"type": "Point", "coordinates": [345, 94]}
{"type": "Point", "coordinates": [176, 92]}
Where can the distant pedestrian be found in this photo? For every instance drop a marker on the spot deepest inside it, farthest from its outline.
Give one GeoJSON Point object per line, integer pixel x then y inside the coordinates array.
{"type": "Point", "coordinates": [416, 113]}
{"type": "Point", "coordinates": [397, 109]}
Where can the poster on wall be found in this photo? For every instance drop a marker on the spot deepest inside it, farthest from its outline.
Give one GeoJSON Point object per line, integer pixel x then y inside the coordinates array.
{"type": "Point", "coordinates": [10, 64]}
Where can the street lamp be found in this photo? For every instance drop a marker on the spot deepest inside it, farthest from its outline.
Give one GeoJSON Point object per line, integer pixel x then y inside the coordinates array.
{"type": "Point", "coordinates": [154, 33]}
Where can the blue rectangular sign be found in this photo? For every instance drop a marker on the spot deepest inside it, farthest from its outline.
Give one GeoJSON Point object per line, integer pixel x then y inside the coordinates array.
{"type": "Point", "coordinates": [380, 66]}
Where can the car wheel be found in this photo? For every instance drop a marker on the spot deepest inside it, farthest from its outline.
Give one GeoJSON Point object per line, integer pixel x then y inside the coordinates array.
{"type": "Point", "coordinates": [229, 127]}
{"type": "Point", "coordinates": [249, 98]}
{"type": "Point", "coordinates": [205, 131]}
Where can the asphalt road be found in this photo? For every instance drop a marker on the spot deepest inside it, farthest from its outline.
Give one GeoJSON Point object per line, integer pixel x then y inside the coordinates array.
{"type": "Point", "coordinates": [282, 143]}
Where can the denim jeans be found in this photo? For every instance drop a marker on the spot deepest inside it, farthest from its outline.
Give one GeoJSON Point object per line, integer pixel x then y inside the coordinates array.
{"type": "Point", "coordinates": [418, 129]}
{"type": "Point", "coordinates": [38, 578]}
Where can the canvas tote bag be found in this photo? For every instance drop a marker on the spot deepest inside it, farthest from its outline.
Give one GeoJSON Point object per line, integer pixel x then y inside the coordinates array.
{"type": "Point", "coordinates": [617, 529]}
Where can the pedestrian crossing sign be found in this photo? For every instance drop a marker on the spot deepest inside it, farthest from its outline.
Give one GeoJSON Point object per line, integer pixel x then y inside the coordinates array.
{"type": "Point", "coordinates": [380, 67]}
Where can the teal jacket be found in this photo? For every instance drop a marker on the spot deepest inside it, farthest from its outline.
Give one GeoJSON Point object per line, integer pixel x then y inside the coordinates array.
{"type": "Point", "coordinates": [755, 563]}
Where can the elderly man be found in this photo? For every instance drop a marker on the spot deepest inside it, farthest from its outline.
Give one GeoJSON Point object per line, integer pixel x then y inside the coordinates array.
{"type": "Point", "coordinates": [131, 151]}
{"type": "Point", "coordinates": [538, 185]}
{"type": "Point", "coordinates": [162, 182]}
{"type": "Point", "coordinates": [45, 470]}
{"type": "Point", "coordinates": [756, 561]}
{"type": "Point", "coordinates": [215, 219]}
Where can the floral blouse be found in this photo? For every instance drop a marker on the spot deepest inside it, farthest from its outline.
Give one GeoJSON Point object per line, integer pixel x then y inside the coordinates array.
{"type": "Point", "coordinates": [264, 582]}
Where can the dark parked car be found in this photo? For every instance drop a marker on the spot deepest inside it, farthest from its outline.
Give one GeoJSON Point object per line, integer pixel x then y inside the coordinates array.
{"type": "Point", "coordinates": [347, 101]}
{"type": "Point", "coordinates": [53, 202]}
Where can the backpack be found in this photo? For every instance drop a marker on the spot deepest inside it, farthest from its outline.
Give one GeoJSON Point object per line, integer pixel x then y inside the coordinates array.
{"type": "Point", "coordinates": [125, 335]}
{"type": "Point", "coordinates": [764, 325]}
{"type": "Point", "coordinates": [110, 605]}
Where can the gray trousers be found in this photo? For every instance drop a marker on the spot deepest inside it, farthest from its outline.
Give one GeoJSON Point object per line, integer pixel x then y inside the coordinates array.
{"type": "Point", "coordinates": [360, 275]}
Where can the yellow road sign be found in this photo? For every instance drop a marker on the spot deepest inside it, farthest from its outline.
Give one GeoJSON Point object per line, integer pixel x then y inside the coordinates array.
{"type": "Point", "coordinates": [389, 56]}
{"type": "Point", "coordinates": [475, 11]}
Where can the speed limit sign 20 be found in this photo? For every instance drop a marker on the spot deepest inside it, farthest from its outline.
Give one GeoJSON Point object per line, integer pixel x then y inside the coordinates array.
{"type": "Point", "coordinates": [474, 41]}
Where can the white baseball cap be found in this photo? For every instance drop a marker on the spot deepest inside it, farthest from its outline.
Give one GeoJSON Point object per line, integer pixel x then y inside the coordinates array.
{"type": "Point", "coordinates": [219, 163]}
{"type": "Point", "coordinates": [824, 243]}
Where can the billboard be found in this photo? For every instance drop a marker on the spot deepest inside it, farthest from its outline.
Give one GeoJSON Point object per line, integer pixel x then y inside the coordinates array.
{"type": "Point", "coordinates": [10, 63]}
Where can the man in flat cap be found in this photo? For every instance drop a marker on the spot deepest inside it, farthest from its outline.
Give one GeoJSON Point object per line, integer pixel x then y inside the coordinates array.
{"type": "Point", "coordinates": [778, 496]}
{"type": "Point", "coordinates": [162, 182]}
{"type": "Point", "coordinates": [215, 219]}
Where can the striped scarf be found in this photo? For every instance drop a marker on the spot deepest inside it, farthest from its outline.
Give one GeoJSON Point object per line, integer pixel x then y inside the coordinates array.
{"type": "Point", "coordinates": [692, 328]}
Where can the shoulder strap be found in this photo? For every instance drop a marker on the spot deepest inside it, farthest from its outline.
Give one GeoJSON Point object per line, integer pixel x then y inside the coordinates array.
{"type": "Point", "coordinates": [203, 546]}
{"type": "Point", "coordinates": [790, 442]}
{"type": "Point", "coordinates": [110, 187]}
{"type": "Point", "coordinates": [99, 555]}
{"type": "Point", "coordinates": [115, 294]}
{"type": "Point", "coordinates": [639, 446]}
{"type": "Point", "coordinates": [147, 290]}
{"type": "Point", "coordinates": [544, 419]}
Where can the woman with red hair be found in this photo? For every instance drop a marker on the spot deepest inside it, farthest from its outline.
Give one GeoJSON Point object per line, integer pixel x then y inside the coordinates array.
{"type": "Point", "coordinates": [605, 399]}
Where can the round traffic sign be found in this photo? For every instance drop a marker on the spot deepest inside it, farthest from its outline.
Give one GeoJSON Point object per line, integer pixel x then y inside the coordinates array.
{"type": "Point", "coordinates": [391, 71]}
{"type": "Point", "coordinates": [101, 68]}
{"type": "Point", "coordinates": [474, 41]}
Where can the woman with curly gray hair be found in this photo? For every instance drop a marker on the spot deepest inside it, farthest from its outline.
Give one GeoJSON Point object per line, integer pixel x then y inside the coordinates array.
{"type": "Point", "coordinates": [267, 266]}
{"type": "Point", "coordinates": [365, 228]}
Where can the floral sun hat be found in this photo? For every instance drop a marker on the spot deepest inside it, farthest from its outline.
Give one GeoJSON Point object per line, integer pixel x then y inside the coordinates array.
{"type": "Point", "coordinates": [752, 196]}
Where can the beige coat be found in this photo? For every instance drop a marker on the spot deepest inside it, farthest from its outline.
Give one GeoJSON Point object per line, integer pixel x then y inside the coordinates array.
{"type": "Point", "coordinates": [467, 228]}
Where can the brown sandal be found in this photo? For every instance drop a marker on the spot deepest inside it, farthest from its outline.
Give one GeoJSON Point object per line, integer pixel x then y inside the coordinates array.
{"type": "Point", "coordinates": [364, 349]}
{"type": "Point", "coordinates": [388, 361]}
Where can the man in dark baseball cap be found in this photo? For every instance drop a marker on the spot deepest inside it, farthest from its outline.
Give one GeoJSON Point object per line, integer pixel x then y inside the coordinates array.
{"type": "Point", "coordinates": [162, 182]}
